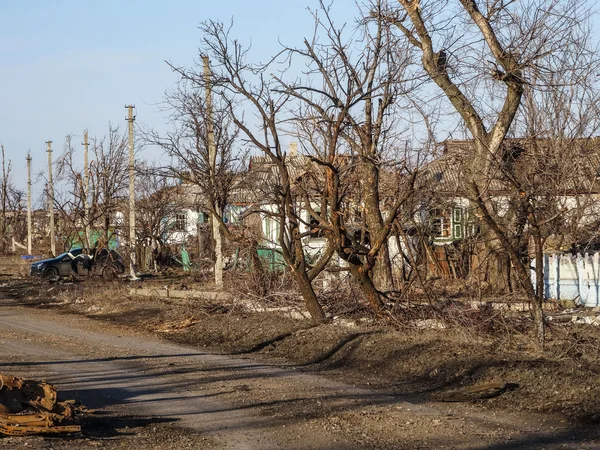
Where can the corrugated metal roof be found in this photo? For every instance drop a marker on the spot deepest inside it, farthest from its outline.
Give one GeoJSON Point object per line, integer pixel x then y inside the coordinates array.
{"type": "Point", "coordinates": [268, 171]}
{"type": "Point", "coordinates": [549, 166]}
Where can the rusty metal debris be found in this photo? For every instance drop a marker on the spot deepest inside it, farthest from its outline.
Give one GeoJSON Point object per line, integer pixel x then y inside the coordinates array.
{"type": "Point", "coordinates": [31, 407]}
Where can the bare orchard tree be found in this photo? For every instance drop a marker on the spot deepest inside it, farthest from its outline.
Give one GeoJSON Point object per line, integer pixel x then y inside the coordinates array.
{"type": "Point", "coordinates": [157, 205]}
{"type": "Point", "coordinates": [69, 196]}
{"type": "Point", "coordinates": [188, 145]}
{"type": "Point", "coordinates": [482, 56]}
{"type": "Point", "coordinates": [241, 86]}
{"type": "Point", "coordinates": [108, 184]}
{"type": "Point", "coordinates": [348, 111]}
{"type": "Point", "coordinates": [560, 121]}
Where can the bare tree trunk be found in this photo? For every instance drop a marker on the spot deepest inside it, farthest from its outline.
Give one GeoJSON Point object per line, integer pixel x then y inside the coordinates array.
{"type": "Point", "coordinates": [367, 287]}
{"type": "Point", "coordinates": [308, 294]}
{"type": "Point", "coordinates": [257, 268]}
{"type": "Point", "coordinates": [216, 234]}
{"type": "Point", "coordinates": [537, 301]}
{"type": "Point", "coordinates": [382, 269]}
{"type": "Point", "coordinates": [106, 225]}
{"type": "Point", "coordinates": [200, 236]}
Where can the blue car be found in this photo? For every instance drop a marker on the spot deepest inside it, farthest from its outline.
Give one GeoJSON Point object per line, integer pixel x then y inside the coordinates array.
{"type": "Point", "coordinates": [104, 263]}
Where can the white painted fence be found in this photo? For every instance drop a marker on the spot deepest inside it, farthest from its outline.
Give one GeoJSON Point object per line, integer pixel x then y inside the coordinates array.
{"type": "Point", "coordinates": [572, 277]}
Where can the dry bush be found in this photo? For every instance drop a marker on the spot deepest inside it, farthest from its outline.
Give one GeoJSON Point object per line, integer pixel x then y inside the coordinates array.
{"type": "Point", "coordinates": [472, 322]}
{"type": "Point", "coordinates": [574, 341]}
{"type": "Point", "coordinates": [341, 296]}
{"type": "Point", "coordinates": [266, 289]}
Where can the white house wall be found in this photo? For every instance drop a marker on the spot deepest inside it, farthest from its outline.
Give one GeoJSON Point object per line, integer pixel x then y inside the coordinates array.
{"type": "Point", "coordinates": [269, 231]}
{"type": "Point", "coordinates": [191, 228]}
{"type": "Point", "coordinates": [586, 207]}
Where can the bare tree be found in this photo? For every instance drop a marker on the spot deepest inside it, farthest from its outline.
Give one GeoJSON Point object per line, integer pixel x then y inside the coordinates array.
{"type": "Point", "coordinates": [12, 207]}
{"type": "Point", "coordinates": [241, 87]}
{"type": "Point", "coordinates": [157, 205]}
{"type": "Point", "coordinates": [108, 180]}
{"type": "Point", "coordinates": [188, 144]}
{"type": "Point", "coordinates": [483, 70]}
{"type": "Point", "coordinates": [348, 110]}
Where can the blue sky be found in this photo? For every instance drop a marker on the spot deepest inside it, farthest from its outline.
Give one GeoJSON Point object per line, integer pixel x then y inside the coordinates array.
{"type": "Point", "coordinates": [69, 65]}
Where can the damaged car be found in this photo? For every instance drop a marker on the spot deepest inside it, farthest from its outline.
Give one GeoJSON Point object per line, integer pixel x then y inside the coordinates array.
{"type": "Point", "coordinates": [107, 263]}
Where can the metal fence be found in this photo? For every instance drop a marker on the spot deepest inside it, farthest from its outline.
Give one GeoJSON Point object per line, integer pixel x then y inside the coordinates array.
{"type": "Point", "coordinates": [572, 277]}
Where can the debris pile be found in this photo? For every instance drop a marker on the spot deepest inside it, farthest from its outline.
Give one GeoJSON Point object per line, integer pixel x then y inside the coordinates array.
{"type": "Point", "coordinates": [30, 407]}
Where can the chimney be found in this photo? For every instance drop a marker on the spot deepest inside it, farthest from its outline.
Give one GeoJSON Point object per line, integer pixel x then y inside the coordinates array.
{"type": "Point", "coordinates": [293, 149]}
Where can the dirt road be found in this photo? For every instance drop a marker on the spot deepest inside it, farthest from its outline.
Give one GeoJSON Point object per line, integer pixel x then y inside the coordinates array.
{"type": "Point", "coordinates": [152, 394]}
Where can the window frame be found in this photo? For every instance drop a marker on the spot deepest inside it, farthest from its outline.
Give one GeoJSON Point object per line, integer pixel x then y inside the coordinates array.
{"type": "Point", "coordinates": [180, 222]}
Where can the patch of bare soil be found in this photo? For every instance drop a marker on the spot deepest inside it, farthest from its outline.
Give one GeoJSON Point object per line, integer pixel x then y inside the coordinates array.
{"type": "Point", "coordinates": [419, 364]}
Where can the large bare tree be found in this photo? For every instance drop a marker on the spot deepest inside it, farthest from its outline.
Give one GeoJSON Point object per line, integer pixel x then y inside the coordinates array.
{"type": "Point", "coordinates": [348, 112]}
{"type": "Point", "coordinates": [248, 89]}
{"type": "Point", "coordinates": [483, 56]}
{"type": "Point", "coordinates": [195, 127]}
{"type": "Point", "coordinates": [108, 183]}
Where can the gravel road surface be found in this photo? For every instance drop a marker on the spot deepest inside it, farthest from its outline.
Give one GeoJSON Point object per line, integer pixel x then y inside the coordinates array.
{"type": "Point", "coordinates": [148, 393]}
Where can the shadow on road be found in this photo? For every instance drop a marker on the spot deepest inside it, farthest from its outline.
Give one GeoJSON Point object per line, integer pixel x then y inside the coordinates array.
{"type": "Point", "coordinates": [100, 426]}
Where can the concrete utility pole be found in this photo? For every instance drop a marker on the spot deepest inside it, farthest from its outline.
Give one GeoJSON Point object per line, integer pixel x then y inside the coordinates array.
{"type": "Point", "coordinates": [212, 156]}
{"type": "Point", "coordinates": [4, 197]}
{"type": "Point", "coordinates": [86, 187]}
{"type": "Point", "coordinates": [51, 199]}
{"type": "Point", "coordinates": [130, 120]}
{"type": "Point", "coordinates": [28, 203]}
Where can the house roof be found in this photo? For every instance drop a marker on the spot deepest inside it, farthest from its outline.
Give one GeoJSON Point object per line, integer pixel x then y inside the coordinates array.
{"type": "Point", "coordinates": [543, 165]}
{"type": "Point", "coordinates": [267, 171]}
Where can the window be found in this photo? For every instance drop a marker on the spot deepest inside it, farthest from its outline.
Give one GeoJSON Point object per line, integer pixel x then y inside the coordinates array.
{"type": "Point", "coordinates": [271, 229]}
{"type": "Point", "coordinates": [453, 223]}
{"type": "Point", "coordinates": [233, 214]}
{"type": "Point", "coordinates": [180, 222]}
{"type": "Point", "coordinates": [457, 223]}
{"type": "Point", "coordinates": [472, 224]}
{"type": "Point", "coordinates": [440, 224]}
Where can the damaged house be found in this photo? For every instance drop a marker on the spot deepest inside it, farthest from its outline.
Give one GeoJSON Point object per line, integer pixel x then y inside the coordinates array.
{"type": "Point", "coordinates": [557, 181]}
{"type": "Point", "coordinates": [308, 187]}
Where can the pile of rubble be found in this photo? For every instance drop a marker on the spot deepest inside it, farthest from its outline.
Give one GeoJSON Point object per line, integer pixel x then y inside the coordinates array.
{"type": "Point", "coordinates": [30, 407]}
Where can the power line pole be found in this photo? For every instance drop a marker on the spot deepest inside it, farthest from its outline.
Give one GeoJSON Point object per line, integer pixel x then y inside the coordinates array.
{"type": "Point", "coordinates": [51, 199]}
{"type": "Point", "coordinates": [28, 203]}
{"type": "Point", "coordinates": [212, 157]}
{"type": "Point", "coordinates": [86, 187]}
{"type": "Point", "coordinates": [130, 120]}
{"type": "Point", "coordinates": [4, 188]}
